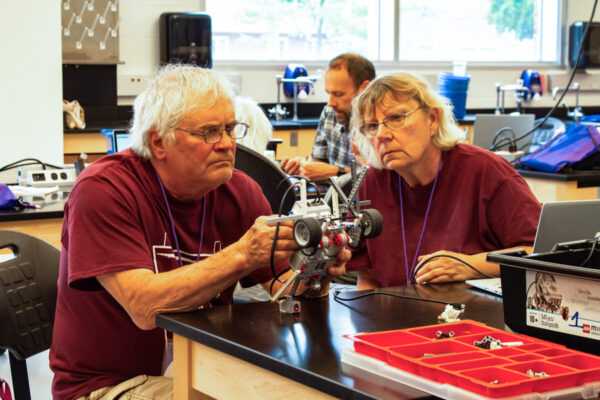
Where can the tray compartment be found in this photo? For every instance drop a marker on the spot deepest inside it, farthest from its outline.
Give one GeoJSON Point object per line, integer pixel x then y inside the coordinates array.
{"type": "Point", "coordinates": [509, 383]}
{"type": "Point", "coordinates": [553, 352]}
{"type": "Point", "coordinates": [407, 357]}
{"type": "Point", "coordinates": [446, 372]}
{"type": "Point", "coordinates": [460, 328]}
{"type": "Point", "coordinates": [588, 365]}
{"type": "Point", "coordinates": [559, 376]}
{"type": "Point", "coordinates": [526, 357]}
{"type": "Point", "coordinates": [376, 344]}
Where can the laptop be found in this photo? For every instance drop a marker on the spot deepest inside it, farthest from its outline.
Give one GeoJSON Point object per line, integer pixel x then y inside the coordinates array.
{"type": "Point", "coordinates": [490, 285]}
{"type": "Point", "coordinates": [486, 126]}
{"type": "Point", "coordinates": [560, 221]}
{"type": "Point", "coordinates": [566, 221]}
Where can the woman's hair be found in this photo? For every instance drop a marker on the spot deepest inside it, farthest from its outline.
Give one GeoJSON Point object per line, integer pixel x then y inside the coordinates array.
{"type": "Point", "coordinates": [169, 97]}
{"type": "Point", "coordinates": [260, 129]}
{"type": "Point", "coordinates": [389, 89]}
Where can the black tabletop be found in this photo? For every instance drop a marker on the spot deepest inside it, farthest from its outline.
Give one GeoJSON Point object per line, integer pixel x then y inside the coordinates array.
{"type": "Point", "coordinates": [308, 348]}
{"type": "Point", "coordinates": [50, 206]}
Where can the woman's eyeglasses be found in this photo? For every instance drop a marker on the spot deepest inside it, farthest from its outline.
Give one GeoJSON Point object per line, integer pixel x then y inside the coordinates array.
{"type": "Point", "coordinates": [392, 122]}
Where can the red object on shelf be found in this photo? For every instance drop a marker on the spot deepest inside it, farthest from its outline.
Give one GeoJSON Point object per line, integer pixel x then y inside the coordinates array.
{"type": "Point", "coordinates": [526, 365]}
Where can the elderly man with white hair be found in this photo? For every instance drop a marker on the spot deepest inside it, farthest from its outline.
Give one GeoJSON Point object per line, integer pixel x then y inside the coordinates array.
{"type": "Point", "coordinates": [166, 226]}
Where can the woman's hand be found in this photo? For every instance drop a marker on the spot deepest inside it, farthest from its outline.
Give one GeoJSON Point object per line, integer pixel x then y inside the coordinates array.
{"type": "Point", "coordinates": [445, 269]}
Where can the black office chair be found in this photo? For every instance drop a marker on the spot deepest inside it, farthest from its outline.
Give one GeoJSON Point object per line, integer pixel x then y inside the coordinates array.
{"type": "Point", "coordinates": [270, 177]}
{"type": "Point", "coordinates": [345, 182]}
{"type": "Point", "coordinates": [28, 288]}
{"type": "Point", "coordinates": [272, 144]}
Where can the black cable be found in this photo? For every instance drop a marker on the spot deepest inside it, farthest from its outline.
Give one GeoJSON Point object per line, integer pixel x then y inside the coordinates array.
{"type": "Point", "coordinates": [593, 138]}
{"type": "Point", "coordinates": [340, 300]}
{"type": "Point", "coordinates": [272, 257]}
{"type": "Point", "coordinates": [17, 164]}
{"type": "Point", "coordinates": [505, 139]}
{"type": "Point", "coordinates": [571, 77]}
{"type": "Point", "coordinates": [276, 278]}
{"type": "Point", "coordinates": [596, 238]}
{"type": "Point", "coordinates": [312, 183]}
{"type": "Point", "coordinates": [500, 132]}
{"type": "Point", "coordinates": [425, 261]}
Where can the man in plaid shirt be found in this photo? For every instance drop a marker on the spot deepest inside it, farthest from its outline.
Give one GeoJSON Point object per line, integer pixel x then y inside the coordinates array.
{"type": "Point", "coordinates": [348, 74]}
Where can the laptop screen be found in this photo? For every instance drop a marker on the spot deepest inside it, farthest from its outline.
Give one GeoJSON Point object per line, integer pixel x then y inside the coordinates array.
{"type": "Point", "coordinates": [566, 221]}
{"type": "Point", "coordinates": [486, 126]}
{"type": "Point", "coordinates": [122, 141]}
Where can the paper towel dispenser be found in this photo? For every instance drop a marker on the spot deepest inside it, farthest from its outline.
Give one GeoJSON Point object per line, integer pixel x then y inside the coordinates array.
{"type": "Point", "coordinates": [590, 58]}
{"type": "Point", "coordinates": [186, 38]}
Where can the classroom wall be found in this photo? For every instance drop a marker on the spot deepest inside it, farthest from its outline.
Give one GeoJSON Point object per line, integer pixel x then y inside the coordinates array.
{"type": "Point", "coordinates": [140, 53]}
{"type": "Point", "coordinates": [30, 81]}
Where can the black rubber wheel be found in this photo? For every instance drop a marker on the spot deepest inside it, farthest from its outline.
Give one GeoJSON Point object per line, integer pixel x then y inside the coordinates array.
{"type": "Point", "coordinates": [307, 232]}
{"type": "Point", "coordinates": [373, 222]}
{"type": "Point", "coordinates": [356, 235]}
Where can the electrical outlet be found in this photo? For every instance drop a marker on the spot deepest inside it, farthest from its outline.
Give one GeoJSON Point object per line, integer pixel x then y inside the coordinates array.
{"type": "Point", "coordinates": [131, 85]}
{"type": "Point", "coordinates": [51, 177]}
{"type": "Point", "coordinates": [293, 139]}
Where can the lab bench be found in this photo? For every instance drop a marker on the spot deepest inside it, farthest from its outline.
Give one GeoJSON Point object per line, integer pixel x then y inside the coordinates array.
{"type": "Point", "coordinates": [562, 186]}
{"type": "Point", "coordinates": [44, 222]}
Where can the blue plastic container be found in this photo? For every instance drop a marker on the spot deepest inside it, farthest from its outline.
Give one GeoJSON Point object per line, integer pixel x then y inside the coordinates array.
{"type": "Point", "coordinates": [454, 88]}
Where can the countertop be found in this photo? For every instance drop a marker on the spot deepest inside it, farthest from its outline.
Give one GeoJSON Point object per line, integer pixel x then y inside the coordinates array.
{"type": "Point", "coordinates": [50, 207]}
{"type": "Point", "coordinates": [277, 125]}
{"type": "Point", "coordinates": [584, 178]}
{"type": "Point", "coordinates": [308, 350]}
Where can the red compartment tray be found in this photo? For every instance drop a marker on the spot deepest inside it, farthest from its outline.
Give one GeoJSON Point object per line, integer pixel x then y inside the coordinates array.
{"type": "Point", "coordinates": [447, 353]}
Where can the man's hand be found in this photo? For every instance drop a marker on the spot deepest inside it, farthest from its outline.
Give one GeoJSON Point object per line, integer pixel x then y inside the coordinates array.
{"type": "Point", "coordinates": [444, 269]}
{"type": "Point", "coordinates": [337, 269]}
{"type": "Point", "coordinates": [257, 242]}
{"type": "Point", "coordinates": [357, 156]}
{"type": "Point", "coordinates": [318, 170]}
{"type": "Point", "coordinates": [291, 166]}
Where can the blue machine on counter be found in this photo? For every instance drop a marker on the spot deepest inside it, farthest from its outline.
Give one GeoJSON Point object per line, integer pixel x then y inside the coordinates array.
{"type": "Point", "coordinates": [293, 71]}
{"type": "Point", "coordinates": [533, 82]}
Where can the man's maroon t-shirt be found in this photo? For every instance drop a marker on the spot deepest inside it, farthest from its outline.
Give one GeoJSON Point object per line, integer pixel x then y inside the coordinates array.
{"type": "Point", "coordinates": [480, 204]}
{"type": "Point", "coordinates": [115, 220]}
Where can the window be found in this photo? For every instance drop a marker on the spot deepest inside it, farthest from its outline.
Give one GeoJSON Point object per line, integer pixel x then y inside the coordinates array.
{"type": "Point", "coordinates": [479, 30]}
{"type": "Point", "coordinates": [428, 31]}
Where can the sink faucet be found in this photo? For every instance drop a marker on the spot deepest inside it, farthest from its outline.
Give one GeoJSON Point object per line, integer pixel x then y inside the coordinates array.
{"type": "Point", "coordinates": [305, 80]}
{"type": "Point", "coordinates": [577, 113]}
{"type": "Point", "coordinates": [519, 90]}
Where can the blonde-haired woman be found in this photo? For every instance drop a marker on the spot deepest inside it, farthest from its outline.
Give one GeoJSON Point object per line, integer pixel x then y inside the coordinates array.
{"type": "Point", "coordinates": [445, 204]}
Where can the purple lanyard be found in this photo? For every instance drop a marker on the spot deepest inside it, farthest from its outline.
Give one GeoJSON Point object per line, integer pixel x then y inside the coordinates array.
{"type": "Point", "coordinates": [424, 221]}
{"type": "Point", "coordinates": [162, 188]}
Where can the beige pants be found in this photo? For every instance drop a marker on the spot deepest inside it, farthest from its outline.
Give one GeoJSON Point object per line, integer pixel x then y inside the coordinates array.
{"type": "Point", "coordinates": [141, 387]}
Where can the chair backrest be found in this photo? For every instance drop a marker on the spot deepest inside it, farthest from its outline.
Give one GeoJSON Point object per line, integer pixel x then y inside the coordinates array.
{"type": "Point", "coordinates": [28, 289]}
{"type": "Point", "coordinates": [345, 182]}
{"type": "Point", "coordinates": [269, 176]}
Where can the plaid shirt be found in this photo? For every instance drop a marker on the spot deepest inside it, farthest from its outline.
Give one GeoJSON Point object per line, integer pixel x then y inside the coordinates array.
{"type": "Point", "coordinates": [332, 142]}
